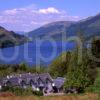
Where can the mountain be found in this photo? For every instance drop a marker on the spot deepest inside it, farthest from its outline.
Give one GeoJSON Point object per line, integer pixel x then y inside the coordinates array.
{"type": "Point", "coordinates": [20, 32]}
{"type": "Point", "coordinates": [88, 27]}
{"type": "Point", "coordinates": [52, 29]}
{"type": "Point", "coordinates": [10, 38]}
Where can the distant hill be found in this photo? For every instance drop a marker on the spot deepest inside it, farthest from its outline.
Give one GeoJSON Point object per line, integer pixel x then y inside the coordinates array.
{"type": "Point", "coordinates": [10, 38]}
{"type": "Point", "coordinates": [88, 27]}
{"type": "Point", "coordinates": [20, 32]}
{"type": "Point", "coordinates": [52, 29]}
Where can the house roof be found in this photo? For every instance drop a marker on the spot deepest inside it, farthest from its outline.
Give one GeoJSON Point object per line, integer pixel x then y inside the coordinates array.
{"type": "Point", "coordinates": [45, 76]}
{"type": "Point", "coordinates": [59, 82]}
{"type": "Point", "coordinates": [26, 77]}
{"type": "Point", "coordinates": [14, 81]}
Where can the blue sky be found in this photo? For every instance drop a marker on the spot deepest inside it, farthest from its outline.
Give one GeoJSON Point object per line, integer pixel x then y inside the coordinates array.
{"type": "Point", "coordinates": [26, 15]}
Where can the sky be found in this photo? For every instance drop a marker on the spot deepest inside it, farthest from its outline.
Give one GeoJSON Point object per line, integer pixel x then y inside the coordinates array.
{"type": "Point", "coordinates": [27, 15]}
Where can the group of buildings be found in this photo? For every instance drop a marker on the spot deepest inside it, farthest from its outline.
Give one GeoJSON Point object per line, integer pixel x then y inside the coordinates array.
{"type": "Point", "coordinates": [38, 82]}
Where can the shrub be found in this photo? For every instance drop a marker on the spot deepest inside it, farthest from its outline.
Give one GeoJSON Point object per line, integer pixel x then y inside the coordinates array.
{"type": "Point", "coordinates": [96, 86]}
{"type": "Point", "coordinates": [18, 91]}
{"type": "Point", "coordinates": [80, 75]}
{"type": "Point", "coordinates": [59, 66]}
{"type": "Point", "coordinates": [38, 93]}
{"type": "Point", "coordinates": [93, 89]}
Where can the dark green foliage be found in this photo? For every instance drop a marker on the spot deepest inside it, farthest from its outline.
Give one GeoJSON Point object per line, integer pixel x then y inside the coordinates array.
{"type": "Point", "coordinates": [5, 70]}
{"type": "Point", "coordinates": [38, 93]}
{"type": "Point", "coordinates": [77, 77]}
{"type": "Point", "coordinates": [96, 47]}
{"type": "Point", "coordinates": [59, 66]}
{"type": "Point", "coordinates": [22, 92]}
{"type": "Point", "coordinates": [23, 67]}
{"type": "Point", "coordinates": [18, 91]}
{"type": "Point", "coordinates": [19, 68]}
{"type": "Point", "coordinates": [95, 88]}
{"type": "Point", "coordinates": [41, 69]}
{"type": "Point", "coordinates": [96, 50]}
{"type": "Point", "coordinates": [10, 38]}
{"type": "Point", "coordinates": [7, 43]}
{"type": "Point", "coordinates": [80, 75]}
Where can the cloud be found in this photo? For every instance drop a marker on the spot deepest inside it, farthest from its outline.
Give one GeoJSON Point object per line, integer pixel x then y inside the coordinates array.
{"type": "Point", "coordinates": [50, 10]}
{"type": "Point", "coordinates": [31, 17]}
{"type": "Point", "coordinates": [12, 12]}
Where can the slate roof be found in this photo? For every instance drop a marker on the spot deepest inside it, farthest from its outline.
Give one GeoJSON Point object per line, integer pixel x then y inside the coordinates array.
{"type": "Point", "coordinates": [46, 76]}
{"type": "Point", "coordinates": [59, 82]}
{"type": "Point", "coordinates": [28, 77]}
{"type": "Point", "coordinates": [15, 80]}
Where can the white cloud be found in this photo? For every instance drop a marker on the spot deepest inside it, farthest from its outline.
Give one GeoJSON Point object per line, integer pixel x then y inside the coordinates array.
{"type": "Point", "coordinates": [12, 12]}
{"type": "Point", "coordinates": [31, 17]}
{"type": "Point", "coordinates": [50, 10]}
